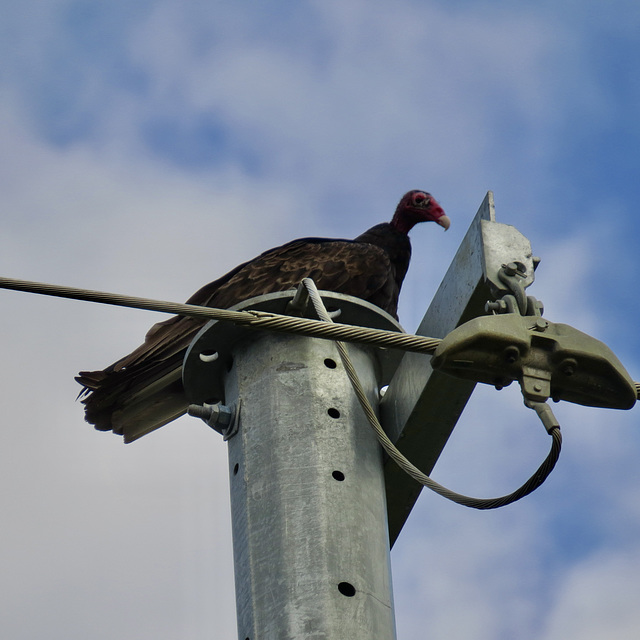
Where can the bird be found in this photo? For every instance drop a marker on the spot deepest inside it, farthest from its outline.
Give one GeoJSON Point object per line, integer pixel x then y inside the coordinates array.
{"type": "Point", "coordinates": [143, 390]}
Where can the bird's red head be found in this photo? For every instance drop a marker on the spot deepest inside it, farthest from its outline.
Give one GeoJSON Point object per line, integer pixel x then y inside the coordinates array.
{"type": "Point", "coordinates": [418, 206]}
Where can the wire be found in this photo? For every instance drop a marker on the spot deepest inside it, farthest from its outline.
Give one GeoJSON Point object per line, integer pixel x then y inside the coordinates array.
{"type": "Point", "coordinates": [476, 503]}
{"type": "Point", "coordinates": [251, 319]}
{"type": "Point", "coordinates": [326, 329]}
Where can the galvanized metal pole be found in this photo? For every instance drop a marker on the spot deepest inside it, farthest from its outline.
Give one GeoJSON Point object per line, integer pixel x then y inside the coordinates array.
{"type": "Point", "coordinates": [310, 533]}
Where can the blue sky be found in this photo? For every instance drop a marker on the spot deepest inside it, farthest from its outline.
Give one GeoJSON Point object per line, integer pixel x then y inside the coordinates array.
{"type": "Point", "coordinates": [148, 147]}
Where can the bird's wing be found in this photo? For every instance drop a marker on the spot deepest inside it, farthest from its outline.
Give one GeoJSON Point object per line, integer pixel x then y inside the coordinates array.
{"type": "Point", "coordinates": [335, 265]}
{"type": "Point", "coordinates": [143, 390]}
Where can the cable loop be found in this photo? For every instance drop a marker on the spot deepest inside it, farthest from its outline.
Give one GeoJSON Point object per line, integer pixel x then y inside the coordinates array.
{"type": "Point", "coordinates": [475, 503]}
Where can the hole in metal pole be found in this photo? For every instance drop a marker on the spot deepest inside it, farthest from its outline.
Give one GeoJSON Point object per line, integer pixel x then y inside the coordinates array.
{"type": "Point", "coordinates": [347, 589]}
{"type": "Point", "coordinates": [338, 475]}
{"type": "Point", "coordinates": [208, 356]}
{"type": "Point", "coordinates": [330, 364]}
{"type": "Point", "coordinates": [235, 468]}
{"type": "Point", "coordinates": [334, 413]}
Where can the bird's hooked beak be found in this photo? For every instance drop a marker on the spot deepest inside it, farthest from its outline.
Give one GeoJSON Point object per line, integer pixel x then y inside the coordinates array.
{"type": "Point", "coordinates": [444, 221]}
{"type": "Point", "coordinates": [438, 215]}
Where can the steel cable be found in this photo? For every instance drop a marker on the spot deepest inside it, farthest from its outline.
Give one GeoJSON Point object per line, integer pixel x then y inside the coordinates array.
{"type": "Point", "coordinates": [251, 319]}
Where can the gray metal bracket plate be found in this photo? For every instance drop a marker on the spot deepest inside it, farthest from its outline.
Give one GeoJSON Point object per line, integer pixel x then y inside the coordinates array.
{"type": "Point", "coordinates": [422, 406]}
{"type": "Point", "coordinates": [209, 355]}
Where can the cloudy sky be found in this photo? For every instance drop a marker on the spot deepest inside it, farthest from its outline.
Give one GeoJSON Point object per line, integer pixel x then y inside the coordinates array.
{"type": "Point", "coordinates": [147, 147]}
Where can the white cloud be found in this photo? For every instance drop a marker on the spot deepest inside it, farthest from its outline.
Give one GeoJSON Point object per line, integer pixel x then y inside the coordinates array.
{"type": "Point", "coordinates": [597, 599]}
{"type": "Point", "coordinates": [345, 105]}
{"type": "Point", "coordinates": [459, 575]}
{"type": "Point", "coordinates": [386, 84]}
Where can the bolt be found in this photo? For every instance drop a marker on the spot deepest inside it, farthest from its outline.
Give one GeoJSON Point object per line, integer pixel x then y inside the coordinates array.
{"type": "Point", "coordinates": [568, 367]}
{"type": "Point", "coordinates": [499, 306]}
{"type": "Point", "coordinates": [511, 354]}
{"type": "Point", "coordinates": [534, 307]}
{"type": "Point", "coordinates": [541, 324]}
{"type": "Point", "coordinates": [217, 416]}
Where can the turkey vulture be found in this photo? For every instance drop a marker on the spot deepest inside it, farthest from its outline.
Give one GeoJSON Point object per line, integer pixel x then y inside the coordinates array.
{"type": "Point", "coordinates": [143, 391]}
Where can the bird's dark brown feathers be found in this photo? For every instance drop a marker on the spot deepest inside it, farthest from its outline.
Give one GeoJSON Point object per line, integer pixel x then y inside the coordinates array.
{"type": "Point", "coordinates": [143, 390]}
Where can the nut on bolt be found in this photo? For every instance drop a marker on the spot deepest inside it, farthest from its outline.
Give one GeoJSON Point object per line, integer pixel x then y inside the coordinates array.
{"type": "Point", "coordinates": [497, 306]}
{"type": "Point", "coordinates": [511, 354]}
{"type": "Point", "coordinates": [217, 416]}
{"type": "Point", "coordinates": [568, 366]}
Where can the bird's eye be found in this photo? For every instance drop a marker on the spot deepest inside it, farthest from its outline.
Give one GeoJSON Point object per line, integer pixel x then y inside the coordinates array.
{"type": "Point", "coordinates": [421, 199]}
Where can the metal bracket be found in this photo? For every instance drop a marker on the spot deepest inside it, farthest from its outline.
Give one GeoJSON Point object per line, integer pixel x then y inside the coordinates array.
{"type": "Point", "coordinates": [209, 357]}
{"type": "Point", "coordinates": [547, 359]}
{"type": "Point", "coordinates": [514, 276]}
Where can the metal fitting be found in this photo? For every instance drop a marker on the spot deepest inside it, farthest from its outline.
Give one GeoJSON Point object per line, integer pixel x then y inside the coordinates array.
{"type": "Point", "coordinates": [545, 414]}
{"type": "Point", "coordinates": [496, 306]}
{"type": "Point", "coordinates": [510, 269]}
{"type": "Point", "coordinates": [541, 325]}
{"type": "Point", "coordinates": [218, 416]}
